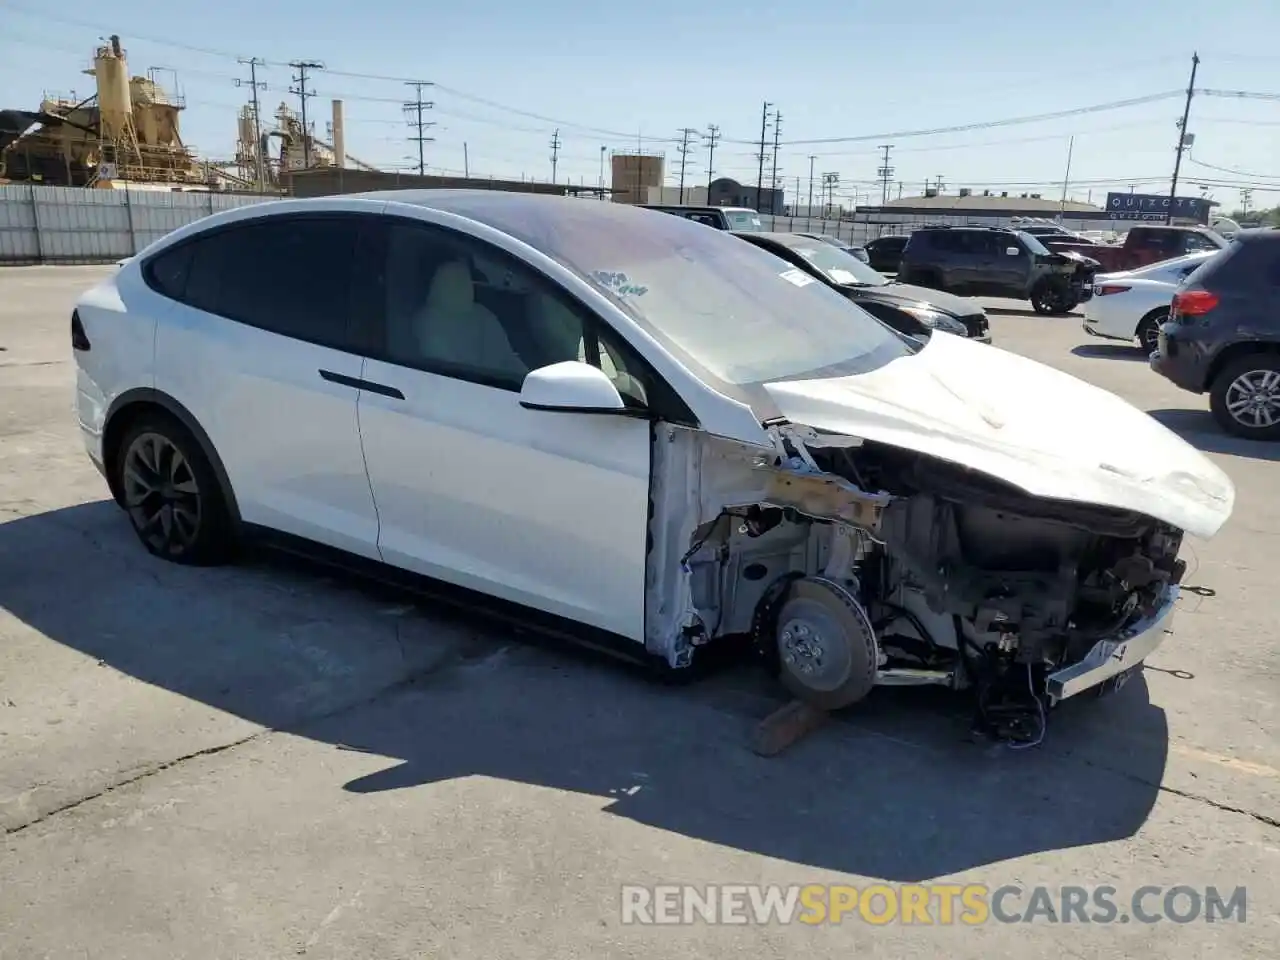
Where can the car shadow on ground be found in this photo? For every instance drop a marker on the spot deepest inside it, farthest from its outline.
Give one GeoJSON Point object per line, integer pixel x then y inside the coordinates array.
{"type": "Point", "coordinates": [1109, 351]}
{"type": "Point", "coordinates": [896, 788]}
{"type": "Point", "coordinates": [1029, 312]}
{"type": "Point", "coordinates": [1200, 430]}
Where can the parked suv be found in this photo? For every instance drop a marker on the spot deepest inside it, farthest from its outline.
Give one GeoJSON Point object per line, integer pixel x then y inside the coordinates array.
{"type": "Point", "coordinates": [994, 262]}
{"type": "Point", "coordinates": [722, 218]}
{"type": "Point", "coordinates": [1223, 335]}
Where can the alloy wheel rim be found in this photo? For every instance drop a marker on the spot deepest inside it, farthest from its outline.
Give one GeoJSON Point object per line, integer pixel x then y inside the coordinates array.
{"type": "Point", "coordinates": [161, 494]}
{"type": "Point", "coordinates": [1151, 336]}
{"type": "Point", "coordinates": [1253, 398]}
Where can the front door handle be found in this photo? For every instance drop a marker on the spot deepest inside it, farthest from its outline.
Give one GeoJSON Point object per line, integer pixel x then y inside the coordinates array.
{"type": "Point", "coordinates": [379, 388]}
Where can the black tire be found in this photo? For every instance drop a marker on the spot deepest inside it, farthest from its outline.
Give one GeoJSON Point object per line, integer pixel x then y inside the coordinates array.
{"type": "Point", "coordinates": [171, 494]}
{"type": "Point", "coordinates": [843, 669]}
{"type": "Point", "coordinates": [1229, 388]}
{"type": "Point", "coordinates": [1053, 298]}
{"type": "Point", "coordinates": [1148, 331]}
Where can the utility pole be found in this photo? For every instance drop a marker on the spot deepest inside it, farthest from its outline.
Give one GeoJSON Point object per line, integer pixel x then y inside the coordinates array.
{"type": "Point", "coordinates": [303, 94]}
{"type": "Point", "coordinates": [712, 137]}
{"type": "Point", "coordinates": [829, 183]}
{"type": "Point", "coordinates": [603, 148]}
{"type": "Point", "coordinates": [809, 212]}
{"type": "Point", "coordinates": [773, 184]}
{"type": "Point", "coordinates": [886, 173]}
{"type": "Point", "coordinates": [1182, 137]}
{"type": "Point", "coordinates": [414, 109]}
{"type": "Point", "coordinates": [1245, 196]}
{"type": "Point", "coordinates": [254, 85]}
{"type": "Point", "coordinates": [683, 149]}
{"type": "Point", "coordinates": [939, 185]}
{"type": "Point", "coordinates": [555, 153]}
{"type": "Point", "coordinates": [1066, 179]}
{"type": "Point", "coordinates": [764, 130]}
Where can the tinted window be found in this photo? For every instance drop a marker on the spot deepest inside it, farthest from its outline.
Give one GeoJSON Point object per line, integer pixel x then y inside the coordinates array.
{"type": "Point", "coordinates": [1031, 243]}
{"type": "Point", "coordinates": [288, 275]}
{"type": "Point", "coordinates": [461, 308]}
{"type": "Point", "coordinates": [166, 273]}
{"type": "Point", "coordinates": [1195, 241]}
{"type": "Point", "coordinates": [743, 220]}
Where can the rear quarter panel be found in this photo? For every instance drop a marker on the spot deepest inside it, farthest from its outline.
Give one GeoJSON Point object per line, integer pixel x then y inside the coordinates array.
{"type": "Point", "coordinates": [121, 327]}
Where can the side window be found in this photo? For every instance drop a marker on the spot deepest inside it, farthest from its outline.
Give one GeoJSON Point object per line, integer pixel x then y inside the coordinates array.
{"type": "Point", "coordinates": [287, 275]}
{"type": "Point", "coordinates": [1196, 242]}
{"type": "Point", "coordinates": [704, 218]}
{"type": "Point", "coordinates": [166, 273]}
{"type": "Point", "coordinates": [461, 308]}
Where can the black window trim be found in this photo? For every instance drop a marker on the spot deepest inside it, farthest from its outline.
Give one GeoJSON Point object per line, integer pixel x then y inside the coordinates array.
{"type": "Point", "coordinates": [348, 344]}
{"type": "Point", "coordinates": [665, 402]}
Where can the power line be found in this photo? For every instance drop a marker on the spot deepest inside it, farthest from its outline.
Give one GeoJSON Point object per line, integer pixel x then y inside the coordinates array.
{"type": "Point", "coordinates": [302, 66]}
{"type": "Point", "coordinates": [414, 108]}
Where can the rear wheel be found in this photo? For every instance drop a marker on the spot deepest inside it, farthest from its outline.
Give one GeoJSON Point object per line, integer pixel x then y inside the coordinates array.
{"type": "Point", "coordinates": [171, 494]}
{"type": "Point", "coordinates": [1245, 397]}
{"type": "Point", "coordinates": [1148, 332]}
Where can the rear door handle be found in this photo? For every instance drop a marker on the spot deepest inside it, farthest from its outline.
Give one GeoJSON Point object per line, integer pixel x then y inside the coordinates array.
{"type": "Point", "coordinates": [379, 388]}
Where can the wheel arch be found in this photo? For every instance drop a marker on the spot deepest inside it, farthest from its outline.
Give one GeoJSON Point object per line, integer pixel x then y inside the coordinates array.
{"type": "Point", "coordinates": [1234, 352]}
{"type": "Point", "coordinates": [130, 405]}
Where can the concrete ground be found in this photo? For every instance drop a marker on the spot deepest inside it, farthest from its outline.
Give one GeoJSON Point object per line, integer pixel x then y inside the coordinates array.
{"type": "Point", "coordinates": [269, 761]}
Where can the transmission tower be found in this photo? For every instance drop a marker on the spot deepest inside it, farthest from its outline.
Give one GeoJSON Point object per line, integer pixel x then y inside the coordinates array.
{"type": "Point", "coordinates": [555, 153]}
{"type": "Point", "coordinates": [414, 111]}
{"type": "Point", "coordinates": [254, 86]}
{"type": "Point", "coordinates": [683, 149]}
{"type": "Point", "coordinates": [303, 94]}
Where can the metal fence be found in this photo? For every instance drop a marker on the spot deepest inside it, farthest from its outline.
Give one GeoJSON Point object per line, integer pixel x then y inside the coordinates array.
{"type": "Point", "coordinates": [41, 224]}
{"type": "Point", "coordinates": [74, 225]}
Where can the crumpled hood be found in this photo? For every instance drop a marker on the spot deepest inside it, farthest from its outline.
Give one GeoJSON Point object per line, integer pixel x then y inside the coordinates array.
{"type": "Point", "coordinates": [1041, 430]}
{"type": "Point", "coordinates": [946, 302]}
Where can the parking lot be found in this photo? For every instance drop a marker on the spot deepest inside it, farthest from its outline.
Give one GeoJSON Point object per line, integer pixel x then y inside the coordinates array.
{"type": "Point", "coordinates": [271, 761]}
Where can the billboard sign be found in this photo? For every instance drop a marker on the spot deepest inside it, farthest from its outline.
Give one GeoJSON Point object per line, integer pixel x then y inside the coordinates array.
{"type": "Point", "coordinates": [1149, 206]}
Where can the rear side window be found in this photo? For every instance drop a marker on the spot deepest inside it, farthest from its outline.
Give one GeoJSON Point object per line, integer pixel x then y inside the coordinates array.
{"type": "Point", "coordinates": [167, 272]}
{"type": "Point", "coordinates": [287, 275]}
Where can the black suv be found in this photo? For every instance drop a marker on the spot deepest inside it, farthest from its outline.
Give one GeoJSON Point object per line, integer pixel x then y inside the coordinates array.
{"type": "Point", "coordinates": [1223, 335]}
{"type": "Point", "coordinates": [995, 262]}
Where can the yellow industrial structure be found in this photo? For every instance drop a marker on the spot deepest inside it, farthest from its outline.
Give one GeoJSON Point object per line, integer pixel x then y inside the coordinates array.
{"type": "Point", "coordinates": [128, 131]}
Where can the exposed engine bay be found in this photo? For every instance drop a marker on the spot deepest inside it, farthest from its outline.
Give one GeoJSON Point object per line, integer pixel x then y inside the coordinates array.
{"type": "Point", "coordinates": [844, 565]}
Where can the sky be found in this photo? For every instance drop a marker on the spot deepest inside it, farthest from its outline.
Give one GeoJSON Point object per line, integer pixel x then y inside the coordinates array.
{"type": "Point", "coordinates": [846, 76]}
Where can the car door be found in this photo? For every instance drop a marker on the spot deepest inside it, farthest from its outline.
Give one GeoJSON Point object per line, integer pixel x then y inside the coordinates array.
{"type": "Point", "coordinates": [541, 508]}
{"type": "Point", "coordinates": [1004, 274]}
{"type": "Point", "coordinates": [256, 346]}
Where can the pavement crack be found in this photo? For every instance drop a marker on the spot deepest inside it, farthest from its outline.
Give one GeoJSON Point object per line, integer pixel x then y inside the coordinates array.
{"type": "Point", "coordinates": [150, 771]}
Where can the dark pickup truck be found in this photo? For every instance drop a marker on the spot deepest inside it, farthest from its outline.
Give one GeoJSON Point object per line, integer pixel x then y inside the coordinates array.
{"type": "Point", "coordinates": [1142, 245]}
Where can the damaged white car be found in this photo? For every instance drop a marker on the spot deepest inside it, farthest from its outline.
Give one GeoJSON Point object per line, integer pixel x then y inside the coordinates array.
{"type": "Point", "coordinates": [618, 424]}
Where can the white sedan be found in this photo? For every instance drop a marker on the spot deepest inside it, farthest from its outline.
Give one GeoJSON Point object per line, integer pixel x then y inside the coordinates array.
{"type": "Point", "coordinates": [1134, 303]}
{"type": "Point", "coordinates": [618, 425]}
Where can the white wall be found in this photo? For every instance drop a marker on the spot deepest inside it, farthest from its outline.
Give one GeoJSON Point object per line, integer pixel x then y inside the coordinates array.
{"type": "Point", "coordinates": [74, 225]}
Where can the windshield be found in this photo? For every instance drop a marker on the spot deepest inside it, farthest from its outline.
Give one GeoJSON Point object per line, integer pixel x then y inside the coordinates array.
{"type": "Point", "coordinates": [1034, 245]}
{"type": "Point", "coordinates": [743, 220]}
{"type": "Point", "coordinates": [841, 267]}
{"type": "Point", "coordinates": [740, 313]}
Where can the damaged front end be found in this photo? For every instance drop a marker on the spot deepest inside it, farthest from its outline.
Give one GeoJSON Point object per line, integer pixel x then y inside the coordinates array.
{"type": "Point", "coordinates": [845, 565]}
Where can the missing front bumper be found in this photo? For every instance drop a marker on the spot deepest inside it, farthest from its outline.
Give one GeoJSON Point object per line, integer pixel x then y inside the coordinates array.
{"type": "Point", "coordinates": [1112, 657]}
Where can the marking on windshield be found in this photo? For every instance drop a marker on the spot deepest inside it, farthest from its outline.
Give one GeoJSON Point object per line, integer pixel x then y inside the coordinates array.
{"type": "Point", "coordinates": [619, 284]}
{"type": "Point", "coordinates": [842, 276]}
{"type": "Point", "coordinates": [797, 277]}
